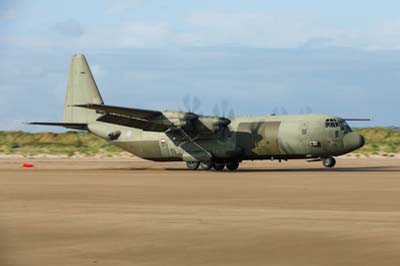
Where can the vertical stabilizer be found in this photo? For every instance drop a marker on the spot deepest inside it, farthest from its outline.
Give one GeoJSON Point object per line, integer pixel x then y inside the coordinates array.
{"type": "Point", "coordinates": [81, 89]}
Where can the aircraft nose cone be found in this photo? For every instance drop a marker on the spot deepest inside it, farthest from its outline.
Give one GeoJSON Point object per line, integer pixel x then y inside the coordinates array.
{"type": "Point", "coordinates": [353, 141]}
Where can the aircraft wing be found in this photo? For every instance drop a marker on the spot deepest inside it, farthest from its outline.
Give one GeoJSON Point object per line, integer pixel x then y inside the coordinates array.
{"type": "Point", "coordinates": [131, 112]}
{"type": "Point", "coordinates": [148, 120]}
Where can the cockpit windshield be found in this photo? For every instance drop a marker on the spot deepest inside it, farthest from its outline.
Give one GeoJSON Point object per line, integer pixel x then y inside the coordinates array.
{"type": "Point", "coordinates": [344, 126]}
{"type": "Point", "coordinates": [334, 123]}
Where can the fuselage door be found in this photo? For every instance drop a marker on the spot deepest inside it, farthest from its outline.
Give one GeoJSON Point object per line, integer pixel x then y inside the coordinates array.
{"type": "Point", "coordinates": [332, 133]}
{"type": "Point", "coordinates": [164, 147]}
{"type": "Point", "coordinates": [304, 138]}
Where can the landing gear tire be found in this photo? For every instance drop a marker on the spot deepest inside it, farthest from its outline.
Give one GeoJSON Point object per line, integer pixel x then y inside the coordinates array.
{"type": "Point", "coordinates": [192, 165]}
{"type": "Point", "coordinates": [329, 162]}
{"type": "Point", "coordinates": [206, 165]}
{"type": "Point", "coordinates": [219, 166]}
{"type": "Point", "coordinates": [232, 166]}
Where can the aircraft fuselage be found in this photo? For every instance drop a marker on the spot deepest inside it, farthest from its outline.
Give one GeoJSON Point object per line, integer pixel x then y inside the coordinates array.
{"type": "Point", "coordinates": [247, 138]}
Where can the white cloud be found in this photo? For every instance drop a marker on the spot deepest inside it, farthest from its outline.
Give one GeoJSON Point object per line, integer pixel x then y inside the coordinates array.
{"type": "Point", "coordinates": [250, 29]}
{"type": "Point", "coordinates": [97, 71]}
{"type": "Point", "coordinates": [8, 13]}
{"type": "Point", "coordinates": [69, 27]}
{"type": "Point", "coordinates": [215, 29]}
{"type": "Point", "coordinates": [142, 35]}
{"type": "Point", "coordinates": [130, 35]}
{"type": "Point", "coordinates": [271, 31]}
{"type": "Point", "coordinates": [6, 88]}
{"type": "Point", "coordinates": [124, 6]}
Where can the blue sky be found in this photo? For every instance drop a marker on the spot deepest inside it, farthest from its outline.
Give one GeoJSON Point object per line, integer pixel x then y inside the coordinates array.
{"type": "Point", "coordinates": [337, 57]}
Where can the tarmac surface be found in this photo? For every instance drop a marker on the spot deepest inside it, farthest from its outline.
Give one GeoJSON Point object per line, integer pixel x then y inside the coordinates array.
{"type": "Point", "coordinates": [133, 212]}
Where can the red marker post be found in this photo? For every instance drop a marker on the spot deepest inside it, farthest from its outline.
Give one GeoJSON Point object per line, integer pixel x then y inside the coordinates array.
{"type": "Point", "coordinates": [27, 165]}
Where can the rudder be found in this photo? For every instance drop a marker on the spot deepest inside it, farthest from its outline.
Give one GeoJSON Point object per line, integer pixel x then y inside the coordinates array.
{"type": "Point", "coordinates": [81, 89]}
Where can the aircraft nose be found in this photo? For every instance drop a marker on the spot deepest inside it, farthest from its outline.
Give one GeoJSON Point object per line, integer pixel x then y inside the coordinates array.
{"type": "Point", "coordinates": [353, 141]}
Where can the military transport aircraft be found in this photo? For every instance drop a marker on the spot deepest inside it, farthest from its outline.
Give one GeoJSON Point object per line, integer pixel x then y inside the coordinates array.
{"type": "Point", "coordinates": [199, 140]}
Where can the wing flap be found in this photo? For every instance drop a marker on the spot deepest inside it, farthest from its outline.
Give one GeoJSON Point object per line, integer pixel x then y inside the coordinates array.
{"type": "Point", "coordinates": [132, 122]}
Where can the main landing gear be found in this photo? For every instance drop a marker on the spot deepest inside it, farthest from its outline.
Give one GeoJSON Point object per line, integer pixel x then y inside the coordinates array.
{"type": "Point", "coordinates": [232, 166]}
{"type": "Point", "coordinates": [329, 162]}
{"type": "Point", "coordinates": [194, 165]}
{"type": "Point", "coordinates": [206, 165]}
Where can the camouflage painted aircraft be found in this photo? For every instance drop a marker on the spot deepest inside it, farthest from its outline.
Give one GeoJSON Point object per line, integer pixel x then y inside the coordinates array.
{"type": "Point", "coordinates": [202, 141]}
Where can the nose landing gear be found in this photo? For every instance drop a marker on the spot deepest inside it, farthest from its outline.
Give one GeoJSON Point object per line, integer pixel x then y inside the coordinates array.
{"type": "Point", "coordinates": [329, 162]}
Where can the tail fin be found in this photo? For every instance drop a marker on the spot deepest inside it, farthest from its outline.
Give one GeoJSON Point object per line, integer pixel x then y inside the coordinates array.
{"type": "Point", "coordinates": [81, 89]}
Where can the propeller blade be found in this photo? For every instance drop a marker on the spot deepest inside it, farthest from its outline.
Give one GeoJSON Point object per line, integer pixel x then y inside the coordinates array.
{"type": "Point", "coordinates": [191, 104]}
{"type": "Point", "coordinates": [216, 111]}
{"type": "Point", "coordinates": [186, 102]}
{"type": "Point", "coordinates": [231, 113]}
{"type": "Point", "coordinates": [195, 104]}
{"type": "Point", "coordinates": [224, 107]}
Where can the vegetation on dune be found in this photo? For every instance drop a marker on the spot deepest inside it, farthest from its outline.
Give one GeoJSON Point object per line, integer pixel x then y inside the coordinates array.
{"type": "Point", "coordinates": [379, 140]}
{"type": "Point", "coordinates": [69, 143]}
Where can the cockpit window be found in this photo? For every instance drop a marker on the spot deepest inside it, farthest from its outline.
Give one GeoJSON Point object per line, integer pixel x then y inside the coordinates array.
{"type": "Point", "coordinates": [344, 126]}
{"type": "Point", "coordinates": [330, 122]}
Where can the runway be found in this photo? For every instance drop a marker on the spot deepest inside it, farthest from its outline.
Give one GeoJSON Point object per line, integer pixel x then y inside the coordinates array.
{"type": "Point", "coordinates": [133, 212]}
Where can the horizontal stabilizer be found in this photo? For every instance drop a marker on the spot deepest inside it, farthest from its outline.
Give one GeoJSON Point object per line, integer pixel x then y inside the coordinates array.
{"type": "Point", "coordinates": [80, 126]}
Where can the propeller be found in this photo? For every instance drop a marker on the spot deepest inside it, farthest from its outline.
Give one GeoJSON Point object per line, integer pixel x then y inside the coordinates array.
{"type": "Point", "coordinates": [305, 110]}
{"type": "Point", "coordinates": [279, 110]}
{"type": "Point", "coordinates": [191, 103]}
{"type": "Point", "coordinates": [223, 112]}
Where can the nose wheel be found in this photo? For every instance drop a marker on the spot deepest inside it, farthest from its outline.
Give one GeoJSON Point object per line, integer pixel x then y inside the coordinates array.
{"type": "Point", "coordinates": [329, 162]}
